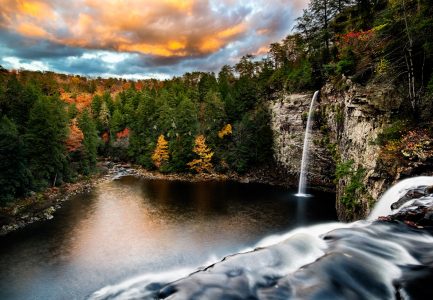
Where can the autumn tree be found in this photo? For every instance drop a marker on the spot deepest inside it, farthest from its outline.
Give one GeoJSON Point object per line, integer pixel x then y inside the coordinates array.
{"type": "Point", "coordinates": [203, 163]}
{"type": "Point", "coordinates": [75, 137]}
{"type": "Point", "coordinates": [160, 155]}
{"type": "Point", "coordinates": [226, 130]}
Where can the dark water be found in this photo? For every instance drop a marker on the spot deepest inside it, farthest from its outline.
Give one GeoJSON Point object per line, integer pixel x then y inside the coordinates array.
{"type": "Point", "coordinates": [129, 227]}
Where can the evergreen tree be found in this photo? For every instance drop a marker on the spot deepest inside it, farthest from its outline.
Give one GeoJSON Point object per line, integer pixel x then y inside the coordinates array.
{"type": "Point", "coordinates": [186, 126]}
{"type": "Point", "coordinates": [90, 141]}
{"type": "Point", "coordinates": [116, 122]}
{"type": "Point", "coordinates": [14, 176]}
{"type": "Point", "coordinates": [45, 141]}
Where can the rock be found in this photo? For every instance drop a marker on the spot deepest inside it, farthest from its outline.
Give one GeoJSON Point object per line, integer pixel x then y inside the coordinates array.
{"type": "Point", "coordinates": [412, 194]}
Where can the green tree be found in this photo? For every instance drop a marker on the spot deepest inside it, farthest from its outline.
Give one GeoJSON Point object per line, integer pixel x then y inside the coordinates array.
{"type": "Point", "coordinates": [90, 141]}
{"type": "Point", "coordinates": [45, 141]}
{"type": "Point", "coordinates": [14, 177]}
{"type": "Point", "coordinates": [186, 126]}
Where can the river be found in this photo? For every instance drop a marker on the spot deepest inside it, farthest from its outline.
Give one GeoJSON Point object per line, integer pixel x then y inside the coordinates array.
{"type": "Point", "coordinates": [131, 226]}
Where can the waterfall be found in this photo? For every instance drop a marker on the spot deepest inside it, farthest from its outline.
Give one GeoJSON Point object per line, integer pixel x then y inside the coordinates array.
{"type": "Point", "coordinates": [362, 260]}
{"type": "Point", "coordinates": [383, 206]}
{"type": "Point", "coordinates": [302, 178]}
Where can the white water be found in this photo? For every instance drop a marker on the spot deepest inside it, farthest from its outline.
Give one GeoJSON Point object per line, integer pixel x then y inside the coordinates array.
{"type": "Point", "coordinates": [367, 260]}
{"type": "Point", "coordinates": [383, 206]}
{"type": "Point", "coordinates": [305, 151]}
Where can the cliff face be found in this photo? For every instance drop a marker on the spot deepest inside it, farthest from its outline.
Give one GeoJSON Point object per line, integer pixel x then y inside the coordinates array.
{"type": "Point", "coordinates": [347, 123]}
{"type": "Point", "coordinates": [289, 118]}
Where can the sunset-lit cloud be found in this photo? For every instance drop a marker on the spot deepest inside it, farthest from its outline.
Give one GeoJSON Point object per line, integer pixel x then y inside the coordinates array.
{"type": "Point", "coordinates": [158, 36]}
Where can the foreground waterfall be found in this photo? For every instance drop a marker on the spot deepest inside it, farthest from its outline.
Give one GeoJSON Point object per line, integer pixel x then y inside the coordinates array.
{"type": "Point", "coordinates": [386, 206]}
{"type": "Point", "coordinates": [305, 151]}
{"type": "Point", "coordinates": [363, 260]}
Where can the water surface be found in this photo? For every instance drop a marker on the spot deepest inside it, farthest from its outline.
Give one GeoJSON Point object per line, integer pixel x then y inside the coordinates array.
{"type": "Point", "coordinates": [131, 226]}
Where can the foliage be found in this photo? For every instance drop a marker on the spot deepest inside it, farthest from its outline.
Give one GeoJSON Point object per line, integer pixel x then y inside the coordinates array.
{"type": "Point", "coordinates": [90, 142]}
{"type": "Point", "coordinates": [413, 145]}
{"type": "Point", "coordinates": [75, 137]}
{"type": "Point", "coordinates": [14, 177]}
{"type": "Point", "coordinates": [353, 178]}
{"type": "Point", "coordinates": [45, 142]}
{"type": "Point", "coordinates": [392, 132]}
{"type": "Point", "coordinates": [203, 163]}
{"type": "Point", "coordinates": [226, 130]}
{"type": "Point", "coordinates": [160, 155]}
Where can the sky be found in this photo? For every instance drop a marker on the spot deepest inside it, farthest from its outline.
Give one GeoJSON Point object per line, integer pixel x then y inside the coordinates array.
{"type": "Point", "coordinates": [137, 39]}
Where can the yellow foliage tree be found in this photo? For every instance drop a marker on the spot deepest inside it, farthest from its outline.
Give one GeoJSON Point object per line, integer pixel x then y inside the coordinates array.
{"type": "Point", "coordinates": [226, 130]}
{"type": "Point", "coordinates": [204, 152]}
{"type": "Point", "coordinates": [160, 155]}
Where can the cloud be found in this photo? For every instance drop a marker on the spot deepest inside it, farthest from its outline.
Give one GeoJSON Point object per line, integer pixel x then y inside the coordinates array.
{"type": "Point", "coordinates": [161, 34]}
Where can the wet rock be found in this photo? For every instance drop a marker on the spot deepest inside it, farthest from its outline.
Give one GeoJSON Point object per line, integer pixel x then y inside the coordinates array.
{"type": "Point", "coordinates": [412, 194]}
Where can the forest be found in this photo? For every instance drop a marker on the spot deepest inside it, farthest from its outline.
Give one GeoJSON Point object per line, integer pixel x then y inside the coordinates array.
{"type": "Point", "coordinates": [54, 127]}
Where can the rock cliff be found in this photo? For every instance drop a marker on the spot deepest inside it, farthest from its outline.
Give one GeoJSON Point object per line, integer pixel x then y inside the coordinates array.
{"type": "Point", "coordinates": [345, 155]}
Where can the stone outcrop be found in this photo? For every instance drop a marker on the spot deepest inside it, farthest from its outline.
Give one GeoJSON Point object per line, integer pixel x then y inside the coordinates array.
{"type": "Point", "coordinates": [348, 120]}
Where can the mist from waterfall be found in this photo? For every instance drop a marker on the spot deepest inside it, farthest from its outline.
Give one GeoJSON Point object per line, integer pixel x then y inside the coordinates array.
{"type": "Point", "coordinates": [305, 151]}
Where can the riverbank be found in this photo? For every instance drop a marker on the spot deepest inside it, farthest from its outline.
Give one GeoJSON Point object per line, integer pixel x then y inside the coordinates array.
{"type": "Point", "coordinates": [42, 205]}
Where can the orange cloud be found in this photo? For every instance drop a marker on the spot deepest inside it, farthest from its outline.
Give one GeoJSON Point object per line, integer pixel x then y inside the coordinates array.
{"type": "Point", "coordinates": [30, 30]}
{"type": "Point", "coordinates": [162, 28]}
{"type": "Point", "coordinates": [35, 9]}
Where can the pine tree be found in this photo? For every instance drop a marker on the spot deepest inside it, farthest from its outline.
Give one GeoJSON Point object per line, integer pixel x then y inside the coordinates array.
{"type": "Point", "coordinates": [104, 116]}
{"type": "Point", "coordinates": [204, 152]}
{"type": "Point", "coordinates": [117, 122]}
{"type": "Point", "coordinates": [90, 142]}
{"type": "Point", "coordinates": [45, 141]}
{"type": "Point", "coordinates": [14, 176]}
{"type": "Point", "coordinates": [160, 155]}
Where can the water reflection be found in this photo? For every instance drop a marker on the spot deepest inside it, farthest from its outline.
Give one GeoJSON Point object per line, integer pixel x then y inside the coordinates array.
{"type": "Point", "coordinates": [132, 226]}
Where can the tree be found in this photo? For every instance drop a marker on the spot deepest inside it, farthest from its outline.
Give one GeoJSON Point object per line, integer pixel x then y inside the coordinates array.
{"type": "Point", "coordinates": [226, 130]}
{"type": "Point", "coordinates": [75, 137]}
{"type": "Point", "coordinates": [203, 163]}
{"type": "Point", "coordinates": [117, 122]}
{"type": "Point", "coordinates": [104, 116]}
{"type": "Point", "coordinates": [14, 175]}
{"type": "Point", "coordinates": [160, 155]}
{"type": "Point", "coordinates": [90, 141]}
{"type": "Point", "coordinates": [45, 141]}
{"type": "Point", "coordinates": [185, 128]}
{"type": "Point", "coordinates": [407, 31]}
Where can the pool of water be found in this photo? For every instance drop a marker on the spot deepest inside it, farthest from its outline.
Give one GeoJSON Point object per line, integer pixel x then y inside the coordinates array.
{"type": "Point", "coordinates": [127, 227]}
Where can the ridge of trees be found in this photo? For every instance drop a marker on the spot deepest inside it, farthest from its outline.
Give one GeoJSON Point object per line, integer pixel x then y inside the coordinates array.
{"type": "Point", "coordinates": [53, 126]}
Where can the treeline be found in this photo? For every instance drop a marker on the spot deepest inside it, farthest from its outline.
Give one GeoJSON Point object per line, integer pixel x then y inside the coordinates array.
{"type": "Point", "coordinates": [203, 123]}
{"type": "Point", "coordinates": [229, 112]}
{"type": "Point", "coordinates": [53, 126]}
{"type": "Point", "coordinates": [389, 42]}
{"type": "Point", "coordinates": [34, 138]}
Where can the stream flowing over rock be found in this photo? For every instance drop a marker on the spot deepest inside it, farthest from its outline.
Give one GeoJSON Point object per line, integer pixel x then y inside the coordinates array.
{"type": "Point", "coordinates": [386, 259]}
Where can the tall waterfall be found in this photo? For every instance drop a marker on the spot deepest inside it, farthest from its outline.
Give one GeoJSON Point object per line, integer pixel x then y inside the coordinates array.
{"type": "Point", "coordinates": [303, 177]}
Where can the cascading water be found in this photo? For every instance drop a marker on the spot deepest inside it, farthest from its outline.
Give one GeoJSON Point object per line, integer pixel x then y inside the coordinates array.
{"type": "Point", "coordinates": [361, 260]}
{"type": "Point", "coordinates": [305, 151]}
{"type": "Point", "coordinates": [384, 205]}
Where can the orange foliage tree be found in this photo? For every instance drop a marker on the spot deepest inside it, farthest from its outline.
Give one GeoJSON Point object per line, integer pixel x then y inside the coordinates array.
{"type": "Point", "coordinates": [160, 155]}
{"type": "Point", "coordinates": [226, 130]}
{"type": "Point", "coordinates": [204, 152]}
{"type": "Point", "coordinates": [75, 138]}
{"type": "Point", "coordinates": [123, 134]}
